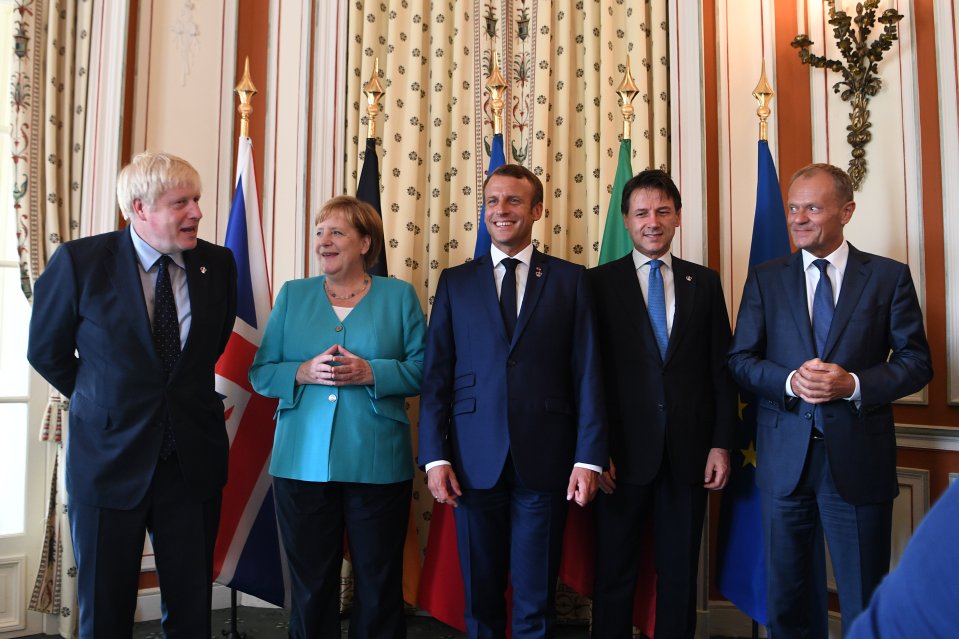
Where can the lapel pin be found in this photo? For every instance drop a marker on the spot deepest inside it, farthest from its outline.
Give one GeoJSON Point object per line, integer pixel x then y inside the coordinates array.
{"type": "Point", "coordinates": [689, 278]}
{"type": "Point", "coordinates": [539, 271]}
{"type": "Point", "coordinates": [203, 270]}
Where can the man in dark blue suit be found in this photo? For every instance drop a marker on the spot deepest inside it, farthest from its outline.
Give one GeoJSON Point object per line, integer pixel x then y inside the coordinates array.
{"type": "Point", "coordinates": [664, 336]}
{"type": "Point", "coordinates": [512, 424]}
{"type": "Point", "coordinates": [827, 339]}
{"type": "Point", "coordinates": [129, 326]}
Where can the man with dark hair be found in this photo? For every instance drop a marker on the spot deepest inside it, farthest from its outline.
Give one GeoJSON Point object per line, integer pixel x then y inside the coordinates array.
{"type": "Point", "coordinates": [826, 339]}
{"type": "Point", "coordinates": [511, 419]}
{"type": "Point", "coordinates": [129, 326]}
{"type": "Point", "coordinates": [664, 334]}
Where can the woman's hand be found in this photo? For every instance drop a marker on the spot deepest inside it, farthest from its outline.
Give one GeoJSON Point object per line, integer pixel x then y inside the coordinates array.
{"type": "Point", "coordinates": [335, 366]}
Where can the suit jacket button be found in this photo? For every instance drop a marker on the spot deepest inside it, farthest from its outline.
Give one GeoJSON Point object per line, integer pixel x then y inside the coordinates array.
{"type": "Point", "coordinates": [807, 415]}
{"type": "Point", "coordinates": [660, 407]}
{"type": "Point", "coordinates": [332, 397]}
{"type": "Point", "coordinates": [339, 328]}
{"type": "Point", "coordinates": [511, 362]}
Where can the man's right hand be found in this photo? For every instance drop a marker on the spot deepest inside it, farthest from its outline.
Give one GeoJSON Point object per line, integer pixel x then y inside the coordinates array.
{"type": "Point", "coordinates": [443, 484]}
{"type": "Point", "coordinates": [607, 480]}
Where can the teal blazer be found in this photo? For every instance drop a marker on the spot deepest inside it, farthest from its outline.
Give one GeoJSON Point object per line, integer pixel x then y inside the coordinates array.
{"type": "Point", "coordinates": [343, 433]}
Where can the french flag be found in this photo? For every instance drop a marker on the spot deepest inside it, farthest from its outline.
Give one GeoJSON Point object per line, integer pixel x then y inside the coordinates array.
{"type": "Point", "coordinates": [248, 555]}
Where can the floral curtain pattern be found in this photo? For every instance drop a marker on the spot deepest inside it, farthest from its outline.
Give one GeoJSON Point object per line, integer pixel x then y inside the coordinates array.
{"type": "Point", "coordinates": [48, 95]}
{"type": "Point", "coordinates": [562, 61]}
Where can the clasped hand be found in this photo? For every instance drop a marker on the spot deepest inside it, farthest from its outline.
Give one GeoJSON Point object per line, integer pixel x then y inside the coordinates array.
{"type": "Point", "coordinates": [335, 366]}
{"type": "Point", "coordinates": [818, 382]}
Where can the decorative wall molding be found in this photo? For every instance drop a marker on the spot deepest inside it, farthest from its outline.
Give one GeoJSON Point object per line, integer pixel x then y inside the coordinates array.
{"type": "Point", "coordinates": [186, 38]}
{"type": "Point", "coordinates": [943, 438]}
{"type": "Point", "coordinates": [687, 113]}
{"type": "Point", "coordinates": [947, 27]}
{"type": "Point", "coordinates": [910, 507]}
{"type": "Point", "coordinates": [13, 603]}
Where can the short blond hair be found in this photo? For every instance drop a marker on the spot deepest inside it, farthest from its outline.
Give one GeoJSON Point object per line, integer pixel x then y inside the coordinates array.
{"type": "Point", "coordinates": [149, 175]}
{"type": "Point", "coordinates": [361, 216]}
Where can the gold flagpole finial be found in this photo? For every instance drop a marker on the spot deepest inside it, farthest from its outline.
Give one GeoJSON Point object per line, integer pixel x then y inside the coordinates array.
{"type": "Point", "coordinates": [764, 94]}
{"type": "Point", "coordinates": [496, 85]}
{"type": "Point", "coordinates": [373, 91]}
{"type": "Point", "coordinates": [246, 91]}
{"type": "Point", "coordinates": [627, 92]}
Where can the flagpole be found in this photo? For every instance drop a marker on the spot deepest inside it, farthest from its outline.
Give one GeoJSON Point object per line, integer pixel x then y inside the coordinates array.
{"type": "Point", "coordinates": [373, 91]}
{"type": "Point", "coordinates": [245, 90]}
{"type": "Point", "coordinates": [616, 241]}
{"type": "Point", "coordinates": [764, 94]}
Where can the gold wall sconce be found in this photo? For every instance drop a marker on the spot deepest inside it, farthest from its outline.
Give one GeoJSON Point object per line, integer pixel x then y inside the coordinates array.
{"type": "Point", "coordinates": [859, 69]}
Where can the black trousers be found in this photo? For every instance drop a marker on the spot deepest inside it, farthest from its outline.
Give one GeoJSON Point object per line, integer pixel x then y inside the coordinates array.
{"type": "Point", "coordinates": [313, 517]}
{"type": "Point", "coordinates": [109, 545]}
{"type": "Point", "coordinates": [677, 509]}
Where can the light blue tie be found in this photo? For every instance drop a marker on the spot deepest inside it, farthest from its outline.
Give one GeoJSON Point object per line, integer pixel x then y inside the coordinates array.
{"type": "Point", "coordinates": [656, 304]}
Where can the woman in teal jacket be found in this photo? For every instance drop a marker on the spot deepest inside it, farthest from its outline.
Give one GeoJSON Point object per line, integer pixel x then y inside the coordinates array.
{"type": "Point", "coordinates": [342, 352]}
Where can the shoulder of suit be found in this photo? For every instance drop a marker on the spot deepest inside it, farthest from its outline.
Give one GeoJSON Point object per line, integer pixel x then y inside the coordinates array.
{"type": "Point", "coordinates": [694, 268]}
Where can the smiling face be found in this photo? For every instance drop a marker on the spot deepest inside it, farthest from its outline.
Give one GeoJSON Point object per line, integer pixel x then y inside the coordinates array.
{"type": "Point", "coordinates": [651, 221]}
{"type": "Point", "coordinates": [339, 246]}
{"type": "Point", "coordinates": [171, 224]}
{"type": "Point", "coordinates": [817, 213]}
{"type": "Point", "coordinates": [510, 212]}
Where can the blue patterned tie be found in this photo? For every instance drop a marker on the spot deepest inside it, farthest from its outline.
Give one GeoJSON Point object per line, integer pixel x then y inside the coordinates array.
{"type": "Point", "coordinates": [822, 311]}
{"type": "Point", "coordinates": [822, 307]}
{"type": "Point", "coordinates": [166, 336]}
{"type": "Point", "coordinates": [656, 304]}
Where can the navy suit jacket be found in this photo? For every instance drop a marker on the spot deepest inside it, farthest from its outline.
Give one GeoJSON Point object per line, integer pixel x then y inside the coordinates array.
{"type": "Point", "coordinates": [685, 404]}
{"type": "Point", "coordinates": [876, 333]}
{"type": "Point", "coordinates": [90, 337]}
{"type": "Point", "coordinates": [537, 397]}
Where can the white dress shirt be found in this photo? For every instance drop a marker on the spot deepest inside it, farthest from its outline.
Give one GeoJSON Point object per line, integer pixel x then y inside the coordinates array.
{"type": "Point", "coordinates": [147, 257]}
{"type": "Point", "coordinates": [641, 262]}
{"type": "Point", "coordinates": [835, 271]}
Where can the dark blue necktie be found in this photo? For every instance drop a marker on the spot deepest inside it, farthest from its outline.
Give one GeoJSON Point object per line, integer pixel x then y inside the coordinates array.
{"type": "Point", "coordinates": [507, 295]}
{"type": "Point", "coordinates": [656, 305]}
{"type": "Point", "coordinates": [822, 307]}
{"type": "Point", "coordinates": [166, 335]}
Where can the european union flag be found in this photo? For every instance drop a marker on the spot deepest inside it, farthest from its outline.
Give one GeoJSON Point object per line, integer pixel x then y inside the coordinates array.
{"type": "Point", "coordinates": [741, 562]}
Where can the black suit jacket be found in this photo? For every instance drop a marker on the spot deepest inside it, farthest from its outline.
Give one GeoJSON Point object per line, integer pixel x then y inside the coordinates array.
{"type": "Point", "coordinates": [90, 337]}
{"type": "Point", "coordinates": [685, 405]}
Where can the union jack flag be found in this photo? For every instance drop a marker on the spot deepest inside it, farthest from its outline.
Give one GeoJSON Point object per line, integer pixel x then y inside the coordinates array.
{"type": "Point", "coordinates": [248, 556]}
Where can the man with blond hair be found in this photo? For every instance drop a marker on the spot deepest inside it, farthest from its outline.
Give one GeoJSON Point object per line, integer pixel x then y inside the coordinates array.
{"type": "Point", "coordinates": [129, 325]}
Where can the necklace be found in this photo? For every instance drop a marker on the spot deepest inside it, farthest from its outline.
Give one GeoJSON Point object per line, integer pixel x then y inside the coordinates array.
{"type": "Point", "coordinates": [329, 291]}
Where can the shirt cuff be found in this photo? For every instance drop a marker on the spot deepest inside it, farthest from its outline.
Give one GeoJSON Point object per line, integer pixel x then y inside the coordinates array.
{"type": "Point", "coordinates": [789, 385]}
{"type": "Point", "coordinates": [856, 393]}
{"type": "Point", "coordinates": [595, 469]}
{"type": "Point", "coordinates": [438, 462]}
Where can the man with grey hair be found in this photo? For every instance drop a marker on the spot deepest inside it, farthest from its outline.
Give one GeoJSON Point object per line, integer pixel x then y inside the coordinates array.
{"type": "Point", "coordinates": [826, 339]}
{"type": "Point", "coordinates": [129, 325]}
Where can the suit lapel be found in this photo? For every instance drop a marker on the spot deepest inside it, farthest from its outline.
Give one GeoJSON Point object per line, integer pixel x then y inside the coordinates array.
{"type": "Point", "coordinates": [125, 276]}
{"type": "Point", "coordinates": [486, 285]}
{"type": "Point", "coordinates": [854, 280]}
{"type": "Point", "coordinates": [535, 281]}
{"type": "Point", "coordinates": [684, 290]}
{"type": "Point", "coordinates": [634, 306]}
{"type": "Point", "coordinates": [794, 283]}
{"type": "Point", "coordinates": [199, 289]}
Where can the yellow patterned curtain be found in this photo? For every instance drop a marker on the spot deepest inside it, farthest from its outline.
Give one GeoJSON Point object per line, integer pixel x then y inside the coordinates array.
{"type": "Point", "coordinates": [562, 61]}
{"type": "Point", "coordinates": [49, 93]}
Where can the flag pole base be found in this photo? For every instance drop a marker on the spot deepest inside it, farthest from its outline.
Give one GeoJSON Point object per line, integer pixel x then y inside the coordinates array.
{"type": "Point", "coordinates": [233, 633]}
